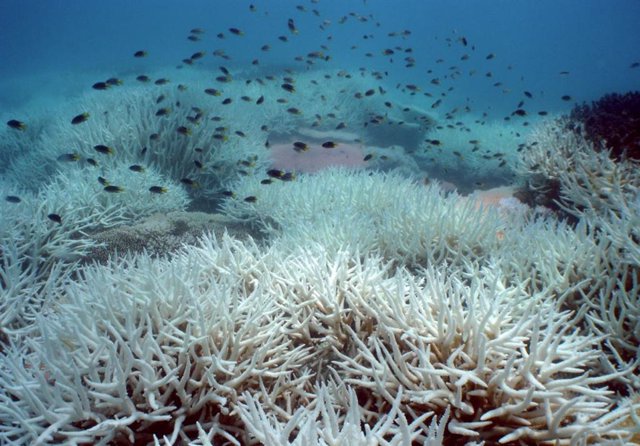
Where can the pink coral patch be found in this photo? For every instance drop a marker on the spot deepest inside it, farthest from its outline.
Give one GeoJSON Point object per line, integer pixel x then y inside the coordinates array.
{"type": "Point", "coordinates": [347, 154]}
{"type": "Point", "coordinates": [492, 197]}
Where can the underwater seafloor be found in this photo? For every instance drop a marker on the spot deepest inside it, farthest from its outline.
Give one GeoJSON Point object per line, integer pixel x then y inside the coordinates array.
{"type": "Point", "coordinates": [301, 253]}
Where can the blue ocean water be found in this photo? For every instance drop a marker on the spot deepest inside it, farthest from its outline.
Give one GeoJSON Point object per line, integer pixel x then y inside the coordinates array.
{"type": "Point", "coordinates": [45, 44]}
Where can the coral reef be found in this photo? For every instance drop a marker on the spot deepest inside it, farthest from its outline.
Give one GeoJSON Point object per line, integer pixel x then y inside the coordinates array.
{"type": "Point", "coordinates": [231, 342]}
{"type": "Point", "coordinates": [343, 307]}
{"type": "Point", "coordinates": [614, 121]}
{"type": "Point", "coordinates": [601, 193]}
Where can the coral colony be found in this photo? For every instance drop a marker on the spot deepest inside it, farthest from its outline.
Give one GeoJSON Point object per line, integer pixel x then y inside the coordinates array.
{"type": "Point", "coordinates": [350, 298]}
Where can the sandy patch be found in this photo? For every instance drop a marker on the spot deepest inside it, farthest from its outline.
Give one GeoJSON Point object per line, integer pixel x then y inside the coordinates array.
{"type": "Point", "coordinates": [346, 154]}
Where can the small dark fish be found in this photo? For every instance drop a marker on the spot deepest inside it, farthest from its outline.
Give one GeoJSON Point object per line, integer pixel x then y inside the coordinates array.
{"type": "Point", "coordinates": [161, 81]}
{"type": "Point", "coordinates": [275, 173]}
{"type": "Point", "coordinates": [260, 100]}
{"type": "Point", "coordinates": [114, 81]}
{"type": "Point", "coordinates": [198, 55]}
{"type": "Point", "coordinates": [101, 148]}
{"type": "Point", "coordinates": [12, 199]}
{"type": "Point", "coordinates": [189, 182]}
{"type": "Point", "coordinates": [103, 181]}
{"type": "Point", "coordinates": [288, 87]}
{"type": "Point", "coordinates": [519, 112]}
{"type": "Point", "coordinates": [198, 164]}
{"type": "Point", "coordinates": [68, 157]}
{"type": "Point", "coordinates": [78, 119]}
{"type": "Point", "coordinates": [15, 124]}
{"type": "Point", "coordinates": [370, 92]}
{"type": "Point", "coordinates": [367, 157]}
{"type": "Point", "coordinates": [528, 94]}
{"type": "Point", "coordinates": [140, 53]}
{"type": "Point", "coordinates": [266, 181]}
{"type": "Point", "coordinates": [294, 111]}
{"type": "Point", "coordinates": [113, 189]}
{"type": "Point", "coordinates": [543, 113]}
{"type": "Point", "coordinates": [220, 137]}
{"type": "Point", "coordinates": [55, 218]}
{"type": "Point", "coordinates": [634, 65]}
{"type": "Point", "coordinates": [212, 92]}
{"type": "Point", "coordinates": [158, 190]}
{"type": "Point", "coordinates": [564, 73]}
{"type": "Point", "coordinates": [341, 126]}
{"type": "Point", "coordinates": [250, 199]}
{"type": "Point", "coordinates": [227, 101]}
{"type": "Point", "coordinates": [566, 97]}
{"type": "Point", "coordinates": [143, 78]}
{"type": "Point", "coordinates": [183, 130]}
{"type": "Point", "coordinates": [329, 145]}
{"type": "Point", "coordinates": [163, 111]}
{"type": "Point", "coordinates": [228, 193]}
{"type": "Point", "coordinates": [490, 56]}
{"type": "Point", "coordinates": [100, 86]}
{"type": "Point", "coordinates": [292, 26]}
{"type": "Point", "coordinates": [236, 31]}
{"type": "Point", "coordinates": [136, 168]}
{"type": "Point", "coordinates": [300, 146]}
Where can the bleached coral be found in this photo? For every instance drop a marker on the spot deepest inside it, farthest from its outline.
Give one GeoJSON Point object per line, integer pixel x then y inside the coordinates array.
{"type": "Point", "coordinates": [590, 181]}
{"type": "Point", "coordinates": [126, 120]}
{"type": "Point", "coordinates": [385, 213]}
{"type": "Point", "coordinates": [195, 348]}
{"type": "Point", "coordinates": [602, 193]}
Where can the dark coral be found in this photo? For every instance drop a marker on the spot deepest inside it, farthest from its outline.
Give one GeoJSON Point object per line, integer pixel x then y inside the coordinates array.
{"type": "Point", "coordinates": [612, 121]}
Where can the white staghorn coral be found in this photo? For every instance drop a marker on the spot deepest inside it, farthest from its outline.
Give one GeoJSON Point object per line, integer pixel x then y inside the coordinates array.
{"type": "Point", "coordinates": [590, 181]}
{"type": "Point", "coordinates": [34, 249]}
{"type": "Point", "coordinates": [125, 119]}
{"type": "Point", "coordinates": [383, 213]}
{"type": "Point", "coordinates": [602, 193]}
{"type": "Point", "coordinates": [195, 348]}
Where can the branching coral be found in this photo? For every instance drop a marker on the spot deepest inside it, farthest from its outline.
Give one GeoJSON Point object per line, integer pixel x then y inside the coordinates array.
{"type": "Point", "coordinates": [195, 348]}
{"type": "Point", "coordinates": [385, 213]}
{"type": "Point", "coordinates": [602, 193]}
